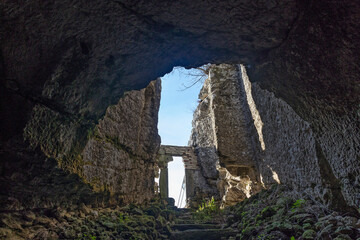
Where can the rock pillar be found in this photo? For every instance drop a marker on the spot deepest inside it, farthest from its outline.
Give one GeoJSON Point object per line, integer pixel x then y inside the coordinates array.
{"type": "Point", "coordinates": [164, 182]}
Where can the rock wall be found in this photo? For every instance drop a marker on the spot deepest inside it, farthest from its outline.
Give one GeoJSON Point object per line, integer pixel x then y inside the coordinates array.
{"type": "Point", "coordinates": [286, 150]}
{"type": "Point", "coordinates": [120, 156]}
{"type": "Point", "coordinates": [293, 151]}
{"type": "Point", "coordinates": [71, 60]}
{"type": "Point", "coordinates": [119, 152]}
{"type": "Point", "coordinates": [90, 53]}
{"type": "Point", "coordinates": [202, 140]}
{"type": "Point", "coordinates": [260, 140]}
{"type": "Point", "coordinates": [30, 180]}
{"type": "Point", "coordinates": [221, 133]}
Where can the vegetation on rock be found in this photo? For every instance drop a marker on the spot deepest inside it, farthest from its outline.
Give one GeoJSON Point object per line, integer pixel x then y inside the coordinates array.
{"type": "Point", "coordinates": [207, 211]}
{"type": "Point", "coordinates": [149, 221]}
{"type": "Point", "coordinates": [277, 214]}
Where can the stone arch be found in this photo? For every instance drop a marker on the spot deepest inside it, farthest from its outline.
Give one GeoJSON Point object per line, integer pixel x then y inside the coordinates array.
{"type": "Point", "coordinates": [166, 153]}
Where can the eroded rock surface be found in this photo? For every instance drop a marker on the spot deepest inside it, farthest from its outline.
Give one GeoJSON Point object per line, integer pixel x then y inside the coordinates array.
{"type": "Point", "coordinates": [258, 140]}
{"type": "Point", "coordinates": [116, 155]}
{"type": "Point", "coordinates": [278, 213]}
{"type": "Point", "coordinates": [84, 221]}
{"type": "Point", "coordinates": [120, 155]}
{"type": "Point", "coordinates": [79, 58]}
{"type": "Point", "coordinates": [221, 133]}
{"type": "Point", "coordinates": [63, 63]}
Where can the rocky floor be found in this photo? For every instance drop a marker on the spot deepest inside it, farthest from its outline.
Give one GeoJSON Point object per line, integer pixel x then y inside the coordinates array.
{"type": "Point", "coordinates": [59, 206]}
{"type": "Point", "coordinates": [130, 222]}
{"type": "Point", "coordinates": [38, 200]}
{"type": "Point", "coordinates": [273, 214]}
{"type": "Point", "coordinates": [188, 227]}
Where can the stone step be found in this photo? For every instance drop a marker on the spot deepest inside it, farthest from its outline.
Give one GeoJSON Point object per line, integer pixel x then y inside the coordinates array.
{"type": "Point", "coordinates": [185, 210]}
{"type": "Point", "coordinates": [180, 221]}
{"type": "Point", "coordinates": [183, 227]}
{"type": "Point", "coordinates": [186, 213]}
{"type": "Point", "coordinates": [193, 221]}
{"type": "Point", "coordinates": [202, 234]}
{"type": "Point", "coordinates": [185, 217]}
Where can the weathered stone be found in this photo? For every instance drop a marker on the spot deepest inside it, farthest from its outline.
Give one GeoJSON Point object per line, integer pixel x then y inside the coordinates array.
{"type": "Point", "coordinates": [5, 232]}
{"type": "Point", "coordinates": [309, 234]}
{"type": "Point", "coordinates": [327, 231]}
{"type": "Point", "coordinates": [67, 62]}
{"type": "Point", "coordinates": [258, 137]}
{"type": "Point", "coordinates": [191, 166]}
{"type": "Point", "coordinates": [10, 222]}
{"type": "Point", "coordinates": [344, 230]}
{"type": "Point", "coordinates": [121, 153]}
{"type": "Point", "coordinates": [220, 133]}
{"type": "Point", "coordinates": [164, 182]}
{"type": "Point", "coordinates": [198, 234]}
{"type": "Point", "coordinates": [343, 237]}
{"type": "Point", "coordinates": [29, 215]}
{"type": "Point", "coordinates": [202, 140]}
{"type": "Point", "coordinates": [300, 218]}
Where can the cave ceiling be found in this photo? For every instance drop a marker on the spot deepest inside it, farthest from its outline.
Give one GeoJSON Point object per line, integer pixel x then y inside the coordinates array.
{"type": "Point", "coordinates": [78, 57]}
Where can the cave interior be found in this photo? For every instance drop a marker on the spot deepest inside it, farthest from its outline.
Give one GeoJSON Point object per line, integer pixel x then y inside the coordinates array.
{"type": "Point", "coordinates": [277, 125]}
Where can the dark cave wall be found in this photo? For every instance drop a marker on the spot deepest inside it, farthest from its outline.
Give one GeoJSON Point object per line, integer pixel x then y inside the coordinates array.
{"type": "Point", "coordinates": [73, 60]}
{"type": "Point", "coordinates": [76, 59]}
{"type": "Point", "coordinates": [117, 156]}
{"type": "Point", "coordinates": [318, 76]}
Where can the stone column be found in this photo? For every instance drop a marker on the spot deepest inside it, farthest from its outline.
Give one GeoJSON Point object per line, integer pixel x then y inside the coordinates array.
{"type": "Point", "coordinates": [163, 161]}
{"type": "Point", "coordinates": [164, 182]}
{"type": "Point", "coordinates": [190, 185]}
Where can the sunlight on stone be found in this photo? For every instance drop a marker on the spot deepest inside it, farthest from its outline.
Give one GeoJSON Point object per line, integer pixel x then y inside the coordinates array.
{"type": "Point", "coordinates": [254, 112]}
{"type": "Point", "coordinates": [211, 113]}
{"type": "Point", "coordinates": [262, 181]}
{"type": "Point", "coordinates": [234, 183]}
{"type": "Point", "coordinates": [275, 175]}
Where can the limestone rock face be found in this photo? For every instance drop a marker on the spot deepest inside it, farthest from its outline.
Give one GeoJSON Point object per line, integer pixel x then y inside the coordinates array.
{"type": "Point", "coordinates": [294, 153]}
{"type": "Point", "coordinates": [133, 121]}
{"type": "Point", "coordinates": [120, 156]}
{"type": "Point", "coordinates": [62, 63]}
{"type": "Point", "coordinates": [288, 152]}
{"type": "Point", "coordinates": [221, 134]}
{"type": "Point", "coordinates": [117, 155]}
{"type": "Point", "coordinates": [76, 59]}
{"type": "Point", "coordinates": [202, 140]}
{"type": "Point", "coordinates": [259, 140]}
{"type": "Point", "coordinates": [30, 180]}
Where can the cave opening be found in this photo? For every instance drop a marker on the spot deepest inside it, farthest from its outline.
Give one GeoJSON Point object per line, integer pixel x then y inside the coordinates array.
{"type": "Point", "coordinates": [179, 99]}
{"type": "Point", "coordinates": [79, 109]}
{"type": "Point", "coordinates": [208, 116]}
{"type": "Point", "coordinates": [176, 173]}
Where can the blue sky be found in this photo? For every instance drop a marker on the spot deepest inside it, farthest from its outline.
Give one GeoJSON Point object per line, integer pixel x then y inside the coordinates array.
{"type": "Point", "coordinates": [175, 116]}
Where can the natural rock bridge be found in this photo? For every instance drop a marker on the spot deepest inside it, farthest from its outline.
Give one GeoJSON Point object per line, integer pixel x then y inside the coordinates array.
{"type": "Point", "coordinates": [166, 154]}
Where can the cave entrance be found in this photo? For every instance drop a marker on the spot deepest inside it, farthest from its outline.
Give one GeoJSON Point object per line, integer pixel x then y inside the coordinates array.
{"type": "Point", "coordinates": [176, 172]}
{"type": "Point", "coordinates": [220, 157]}
{"type": "Point", "coordinates": [179, 99]}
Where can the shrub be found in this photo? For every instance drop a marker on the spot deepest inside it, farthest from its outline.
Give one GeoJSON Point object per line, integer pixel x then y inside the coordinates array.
{"type": "Point", "coordinates": [297, 204]}
{"type": "Point", "coordinates": [206, 210]}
